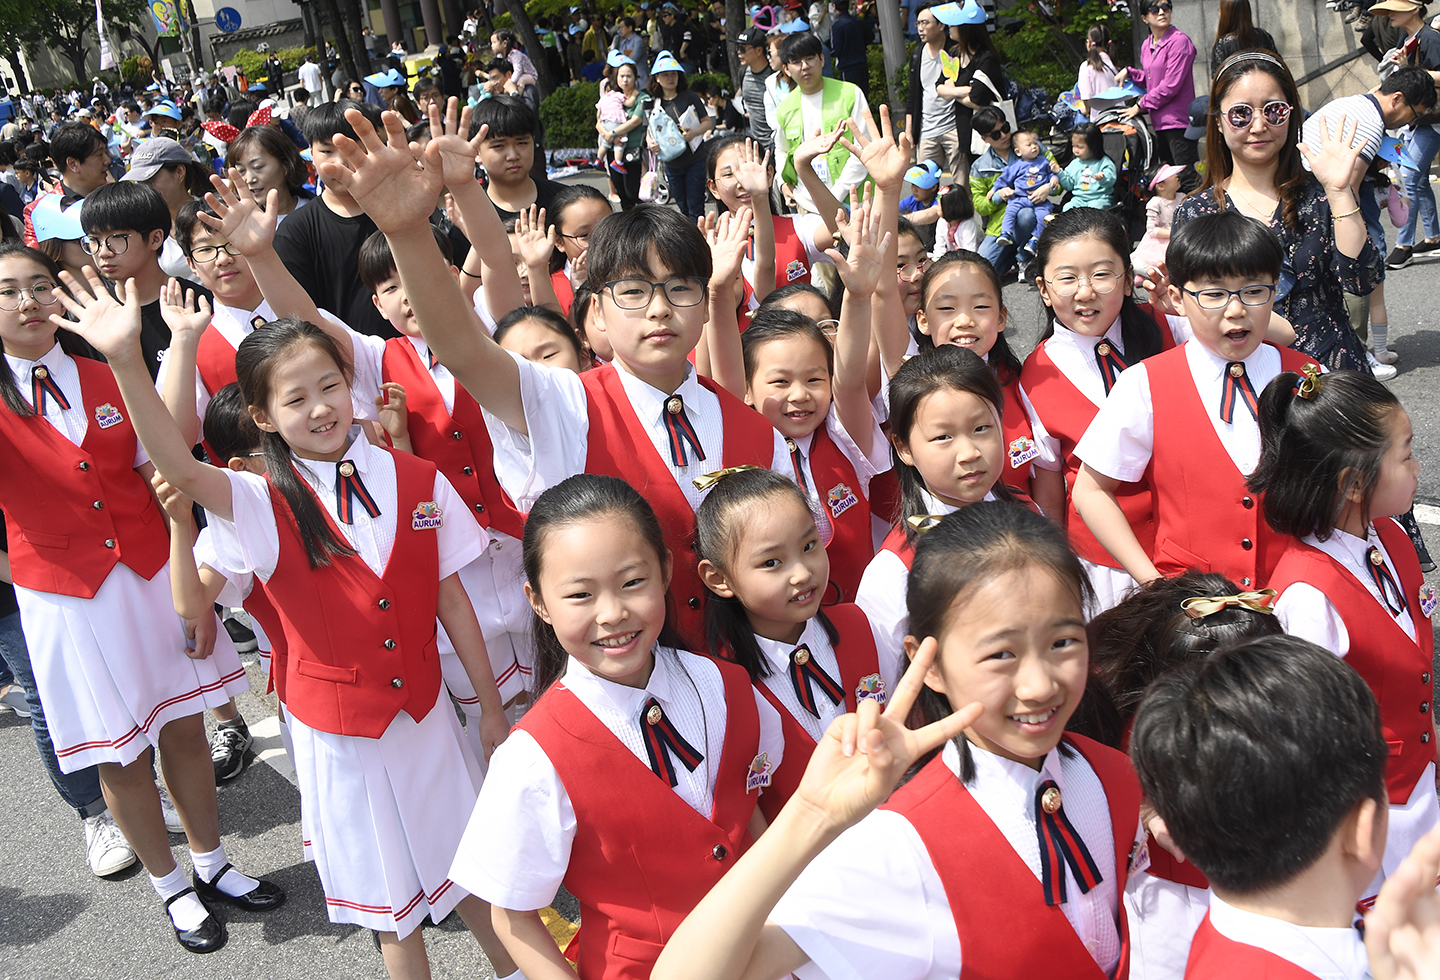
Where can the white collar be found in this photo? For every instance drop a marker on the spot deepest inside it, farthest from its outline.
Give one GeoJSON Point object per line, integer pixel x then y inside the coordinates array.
{"type": "Point", "coordinates": [649, 401]}
{"type": "Point", "coordinates": [1007, 776]}
{"type": "Point", "coordinates": [778, 652]}
{"type": "Point", "coordinates": [624, 699]}
{"type": "Point", "coordinates": [1329, 953]}
{"type": "Point", "coordinates": [1219, 365]}
{"type": "Point", "coordinates": [934, 505]}
{"type": "Point", "coordinates": [1084, 344]}
{"type": "Point", "coordinates": [321, 471]}
{"type": "Point", "coordinates": [21, 368]}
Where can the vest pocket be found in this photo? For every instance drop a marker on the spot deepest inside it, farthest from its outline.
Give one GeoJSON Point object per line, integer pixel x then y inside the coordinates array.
{"type": "Point", "coordinates": [325, 672]}
{"type": "Point", "coordinates": [1171, 554]}
{"type": "Point", "coordinates": [632, 948]}
{"type": "Point", "coordinates": [42, 540]}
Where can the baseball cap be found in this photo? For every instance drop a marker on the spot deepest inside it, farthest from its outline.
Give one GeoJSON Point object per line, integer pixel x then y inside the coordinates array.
{"type": "Point", "coordinates": [752, 37]}
{"type": "Point", "coordinates": [153, 154]}
{"type": "Point", "coordinates": [1199, 110]}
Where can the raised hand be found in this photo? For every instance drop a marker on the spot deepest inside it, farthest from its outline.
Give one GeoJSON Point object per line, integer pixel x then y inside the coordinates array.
{"type": "Point", "coordinates": [111, 327]}
{"type": "Point", "coordinates": [860, 270]}
{"type": "Point", "coordinates": [384, 178]}
{"type": "Point", "coordinates": [450, 150]}
{"type": "Point", "coordinates": [1333, 161]}
{"type": "Point", "coordinates": [536, 242]}
{"type": "Point", "coordinates": [452, 211]}
{"type": "Point", "coordinates": [240, 217]}
{"type": "Point", "coordinates": [818, 145]}
{"type": "Point", "coordinates": [1402, 930]}
{"type": "Point", "coordinates": [729, 236]}
{"type": "Point", "coordinates": [863, 755]}
{"type": "Point", "coordinates": [1156, 280]}
{"type": "Point", "coordinates": [886, 157]}
{"type": "Point", "coordinates": [180, 309]}
{"type": "Point", "coordinates": [753, 171]}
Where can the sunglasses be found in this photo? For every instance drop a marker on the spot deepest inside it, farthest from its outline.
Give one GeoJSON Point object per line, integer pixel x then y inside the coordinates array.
{"type": "Point", "coordinates": [998, 133]}
{"type": "Point", "coordinates": [1241, 115]}
{"type": "Point", "coordinates": [1158, 8]}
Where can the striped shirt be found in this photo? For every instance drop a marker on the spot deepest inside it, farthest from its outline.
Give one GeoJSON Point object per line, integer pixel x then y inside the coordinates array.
{"type": "Point", "coordinates": [1363, 110]}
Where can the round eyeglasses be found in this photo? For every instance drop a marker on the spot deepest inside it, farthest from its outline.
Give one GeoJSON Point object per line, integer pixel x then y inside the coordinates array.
{"type": "Point", "coordinates": [13, 297]}
{"type": "Point", "coordinates": [208, 253]}
{"type": "Point", "coordinates": [1100, 282]}
{"type": "Point", "coordinates": [1276, 112]}
{"type": "Point", "coordinates": [117, 244]}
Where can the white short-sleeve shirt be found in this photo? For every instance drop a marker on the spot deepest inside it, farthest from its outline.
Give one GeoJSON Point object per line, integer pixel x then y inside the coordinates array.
{"type": "Point", "coordinates": [1330, 954]}
{"type": "Point", "coordinates": [516, 847]}
{"type": "Point", "coordinates": [1304, 611]}
{"type": "Point", "coordinates": [777, 655]}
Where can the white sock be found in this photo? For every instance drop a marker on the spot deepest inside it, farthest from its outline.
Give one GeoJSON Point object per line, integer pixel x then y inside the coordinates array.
{"type": "Point", "coordinates": [208, 865]}
{"type": "Point", "coordinates": [517, 975]}
{"type": "Point", "coordinates": [1379, 337]}
{"type": "Point", "coordinates": [188, 912]}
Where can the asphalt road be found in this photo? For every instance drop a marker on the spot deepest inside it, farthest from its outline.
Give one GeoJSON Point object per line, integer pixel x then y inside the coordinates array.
{"type": "Point", "coordinates": [59, 921]}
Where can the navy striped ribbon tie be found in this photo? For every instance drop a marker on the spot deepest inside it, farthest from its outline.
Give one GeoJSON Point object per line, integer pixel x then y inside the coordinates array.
{"type": "Point", "coordinates": [797, 460]}
{"type": "Point", "coordinates": [349, 489]}
{"type": "Point", "coordinates": [805, 672]}
{"type": "Point", "coordinates": [41, 386]}
{"type": "Point", "coordinates": [1237, 387]}
{"type": "Point", "coordinates": [664, 743]}
{"type": "Point", "coordinates": [678, 427]}
{"type": "Point", "coordinates": [1385, 582]}
{"type": "Point", "coordinates": [1111, 363]}
{"type": "Point", "coordinates": [1060, 845]}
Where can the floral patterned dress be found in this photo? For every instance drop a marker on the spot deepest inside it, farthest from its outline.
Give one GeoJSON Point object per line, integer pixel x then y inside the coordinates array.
{"type": "Point", "coordinates": [1315, 277]}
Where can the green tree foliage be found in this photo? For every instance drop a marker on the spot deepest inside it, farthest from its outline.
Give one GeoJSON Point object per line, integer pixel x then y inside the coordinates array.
{"type": "Point", "coordinates": [568, 115]}
{"type": "Point", "coordinates": [1046, 39]}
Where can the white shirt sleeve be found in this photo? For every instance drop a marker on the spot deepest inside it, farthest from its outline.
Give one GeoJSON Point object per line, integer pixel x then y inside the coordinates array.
{"type": "Point", "coordinates": [250, 541]}
{"type": "Point", "coordinates": [1121, 439]}
{"type": "Point", "coordinates": [459, 538]}
{"type": "Point", "coordinates": [882, 598]}
{"type": "Point", "coordinates": [772, 734]}
{"type": "Point", "coordinates": [1049, 446]}
{"type": "Point", "coordinates": [237, 584]}
{"type": "Point", "coordinates": [806, 226]}
{"type": "Point", "coordinates": [558, 419]}
{"type": "Point", "coordinates": [368, 373]}
{"type": "Point", "coordinates": [1304, 611]}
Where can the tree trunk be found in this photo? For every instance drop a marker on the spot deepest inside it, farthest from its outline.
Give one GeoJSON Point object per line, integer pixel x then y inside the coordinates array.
{"type": "Point", "coordinates": [525, 30]}
{"type": "Point", "coordinates": [357, 15]}
{"type": "Point", "coordinates": [736, 17]}
{"type": "Point", "coordinates": [342, 38]}
{"type": "Point", "coordinates": [16, 69]}
{"type": "Point", "coordinates": [892, 41]}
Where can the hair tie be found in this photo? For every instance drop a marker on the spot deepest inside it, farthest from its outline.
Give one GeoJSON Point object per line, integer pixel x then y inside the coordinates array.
{"type": "Point", "coordinates": [1198, 607]}
{"type": "Point", "coordinates": [921, 523]}
{"type": "Point", "coordinates": [1309, 378]}
{"type": "Point", "coordinates": [707, 480]}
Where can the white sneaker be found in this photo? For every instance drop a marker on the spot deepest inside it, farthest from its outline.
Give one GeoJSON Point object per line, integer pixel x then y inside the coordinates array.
{"type": "Point", "coordinates": [168, 811]}
{"type": "Point", "coordinates": [106, 849]}
{"type": "Point", "coordinates": [1382, 372]}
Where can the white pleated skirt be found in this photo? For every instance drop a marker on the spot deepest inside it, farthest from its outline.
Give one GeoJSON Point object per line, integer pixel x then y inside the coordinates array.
{"type": "Point", "coordinates": [112, 670]}
{"type": "Point", "coordinates": [1112, 586]}
{"type": "Point", "coordinates": [495, 584]}
{"type": "Point", "coordinates": [383, 817]}
{"type": "Point", "coordinates": [1163, 918]}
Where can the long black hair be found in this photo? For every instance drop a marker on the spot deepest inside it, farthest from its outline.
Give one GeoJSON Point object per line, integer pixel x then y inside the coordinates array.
{"type": "Point", "coordinates": [1002, 359]}
{"type": "Point", "coordinates": [255, 362]}
{"type": "Point", "coordinates": [69, 343]}
{"type": "Point", "coordinates": [229, 429]}
{"type": "Point", "coordinates": [945, 368]}
{"type": "Point", "coordinates": [1139, 333]}
{"type": "Point", "coordinates": [582, 498]}
{"type": "Point", "coordinates": [717, 535]}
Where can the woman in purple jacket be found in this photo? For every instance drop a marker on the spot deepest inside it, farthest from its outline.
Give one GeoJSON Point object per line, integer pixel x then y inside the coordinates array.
{"type": "Point", "coordinates": [1166, 59]}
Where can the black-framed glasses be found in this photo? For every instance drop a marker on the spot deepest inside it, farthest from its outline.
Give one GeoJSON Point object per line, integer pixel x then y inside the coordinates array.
{"type": "Point", "coordinates": [1158, 8]}
{"type": "Point", "coordinates": [578, 239]}
{"type": "Point", "coordinates": [1276, 112]}
{"type": "Point", "coordinates": [1103, 282]}
{"type": "Point", "coordinates": [636, 294]}
{"type": "Point", "coordinates": [117, 243]}
{"type": "Point", "coordinates": [1000, 133]}
{"type": "Point", "coordinates": [1215, 298]}
{"type": "Point", "coordinates": [209, 253]}
{"type": "Point", "coordinates": [13, 297]}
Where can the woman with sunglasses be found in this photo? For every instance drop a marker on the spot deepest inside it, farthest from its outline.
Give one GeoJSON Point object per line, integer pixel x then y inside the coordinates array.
{"type": "Point", "coordinates": [350, 89]}
{"type": "Point", "coordinates": [1253, 165]}
{"type": "Point", "coordinates": [1421, 48]}
{"type": "Point", "coordinates": [1166, 58]}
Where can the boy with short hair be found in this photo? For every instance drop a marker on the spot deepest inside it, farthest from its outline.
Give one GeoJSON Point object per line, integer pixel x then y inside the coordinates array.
{"type": "Point", "coordinates": [1266, 764]}
{"type": "Point", "coordinates": [508, 155]}
{"type": "Point", "coordinates": [817, 104]}
{"type": "Point", "coordinates": [1186, 420]}
{"type": "Point", "coordinates": [126, 225]}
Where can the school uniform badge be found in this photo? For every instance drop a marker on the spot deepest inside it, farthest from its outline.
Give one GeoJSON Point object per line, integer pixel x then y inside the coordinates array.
{"type": "Point", "coordinates": [1139, 855]}
{"type": "Point", "coordinates": [871, 687]}
{"type": "Point", "coordinates": [427, 517]}
{"type": "Point", "coordinates": [795, 270]}
{"type": "Point", "coordinates": [840, 499]}
{"type": "Point", "coordinates": [1022, 451]}
{"type": "Point", "coordinates": [108, 415]}
{"type": "Point", "coordinates": [1428, 599]}
{"type": "Point", "coordinates": [761, 772]}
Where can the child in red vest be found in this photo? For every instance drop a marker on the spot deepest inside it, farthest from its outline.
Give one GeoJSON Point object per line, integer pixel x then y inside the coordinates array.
{"type": "Point", "coordinates": [538, 334]}
{"type": "Point", "coordinates": [635, 778]}
{"type": "Point", "coordinates": [647, 417]}
{"type": "Point", "coordinates": [575, 210]}
{"type": "Point", "coordinates": [1011, 842]}
{"type": "Point", "coordinates": [1336, 466]}
{"type": "Point", "coordinates": [947, 446]}
{"type": "Point", "coordinates": [1095, 330]}
{"type": "Point", "coordinates": [1186, 421]}
{"type": "Point", "coordinates": [760, 553]}
{"type": "Point", "coordinates": [1169, 623]}
{"type": "Point", "coordinates": [1265, 763]}
{"type": "Point", "coordinates": [359, 549]}
{"type": "Point", "coordinates": [88, 553]}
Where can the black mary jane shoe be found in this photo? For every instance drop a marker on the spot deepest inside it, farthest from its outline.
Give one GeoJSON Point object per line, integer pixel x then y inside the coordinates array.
{"type": "Point", "coordinates": [264, 897]}
{"type": "Point", "coordinates": [207, 937]}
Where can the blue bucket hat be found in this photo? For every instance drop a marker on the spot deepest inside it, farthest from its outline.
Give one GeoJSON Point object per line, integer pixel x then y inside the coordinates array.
{"type": "Point", "coordinates": [164, 108]}
{"type": "Point", "coordinates": [924, 175]}
{"type": "Point", "coordinates": [387, 79]}
{"type": "Point", "coordinates": [794, 27]}
{"type": "Point", "coordinates": [665, 61]}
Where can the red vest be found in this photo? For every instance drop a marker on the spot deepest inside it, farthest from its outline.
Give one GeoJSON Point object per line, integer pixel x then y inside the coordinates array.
{"type": "Point", "coordinates": [620, 446]}
{"type": "Point", "coordinates": [897, 544]}
{"type": "Point", "coordinates": [564, 291]}
{"type": "Point", "coordinates": [642, 858]}
{"type": "Point", "coordinates": [792, 263]}
{"type": "Point", "coordinates": [856, 655]}
{"type": "Point", "coordinates": [75, 511]}
{"type": "Point", "coordinates": [1213, 957]}
{"type": "Point", "coordinates": [1067, 413]}
{"type": "Point", "coordinates": [1396, 667]}
{"type": "Point", "coordinates": [215, 360]}
{"type": "Point", "coordinates": [845, 505]}
{"type": "Point", "coordinates": [361, 648]}
{"type": "Point", "coordinates": [1205, 516]}
{"type": "Point", "coordinates": [263, 611]}
{"type": "Point", "coordinates": [1004, 925]}
{"type": "Point", "coordinates": [459, 444]}
{"type": "Point", "coordinates": [1019, 439]}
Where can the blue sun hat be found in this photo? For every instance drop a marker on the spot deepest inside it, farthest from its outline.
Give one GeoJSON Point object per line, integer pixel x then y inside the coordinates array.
{"type": "Point", "coordinates": [52, 222]}
{"type": "Point", "coordinates": [164, 108]}
{"type": "Point", "coordinates": [256, 87]}
{"type": "Point", "coordinates": [957, 14]}
{"type": "Point", "coordinates": [1392, 150]}
{"type": "Point", "coordinates": [794, 27]}
{"type": "Point", "coordinates": [387, 79]}
{"type": "Point", "coordinates": [924, 175]}
{"type": "Point", "coordinates": [665, 61]}
{"type": "Point", "coordinates": [617, 58]}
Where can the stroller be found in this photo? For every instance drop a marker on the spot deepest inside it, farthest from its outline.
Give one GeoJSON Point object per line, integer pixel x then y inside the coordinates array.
{"type": "Point", "coordinates": [1130, 144]}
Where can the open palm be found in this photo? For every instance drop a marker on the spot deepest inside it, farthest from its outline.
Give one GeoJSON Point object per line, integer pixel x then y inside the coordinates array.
{"type": "Point", "coordinates": [110, 327]}
{"type": "Point", "coordinates": [449, 151]}
{"type": "Point", "coordinates": [383, 177]}
{"type": "Point", "coordinates": [239, 217]}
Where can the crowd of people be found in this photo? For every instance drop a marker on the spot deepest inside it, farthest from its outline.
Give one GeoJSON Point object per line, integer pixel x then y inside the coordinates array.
{"type": "Point", "coordinates": [682, 557]}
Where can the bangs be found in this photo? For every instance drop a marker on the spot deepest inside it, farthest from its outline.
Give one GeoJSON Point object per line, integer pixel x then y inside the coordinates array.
{"type": "Point", "coordinates": [626, 244]}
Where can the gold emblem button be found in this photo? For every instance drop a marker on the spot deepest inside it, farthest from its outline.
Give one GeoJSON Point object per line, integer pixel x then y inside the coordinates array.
{"type": "Point", "coordinates": [347, 468]}
{"type": "Point", "coordinates": [1050, 800]}
{"type": "Point", "coordinates": [654, 715]}
{"type": "Point", "coordinates": [674, 406]}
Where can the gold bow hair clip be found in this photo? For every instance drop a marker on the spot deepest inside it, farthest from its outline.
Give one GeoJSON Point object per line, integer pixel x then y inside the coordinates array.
{"type": "Point", "coordinates": [707, 480]}
{"type": "Point", "coordinates": [1310, 377]}
{"type": "Point", "coordinates": [1198, 607]}
{"type": "Point", "coordinates": [921, 523]}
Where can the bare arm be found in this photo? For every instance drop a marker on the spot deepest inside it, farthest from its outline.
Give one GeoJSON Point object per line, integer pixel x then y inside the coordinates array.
{"type": "Point", "coordinates": [457, 615]}
{"type": "Point", "coordinates": [399, 193]}
{"type": "Point", "coordinates": [728, 237]}
{"type": "Point", "coordinates": [1047, 489]}
{"type": "Point", "coordinates": [753, 174]}
{"type": "Point", "coordinates": [1094, 499]}
{"type": "Point", "coordinates": [530, 944]}
{"type": "Point", "coordinates": [186, 324]}
{"type": "Point", "coordinates": [191, 593]}
{"type": "Point", "coordinates": [114, 330]}
{"type": "Point", "coordinates": [826, 203]}
{"type": "Point", "coordinates": [860, 271]}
